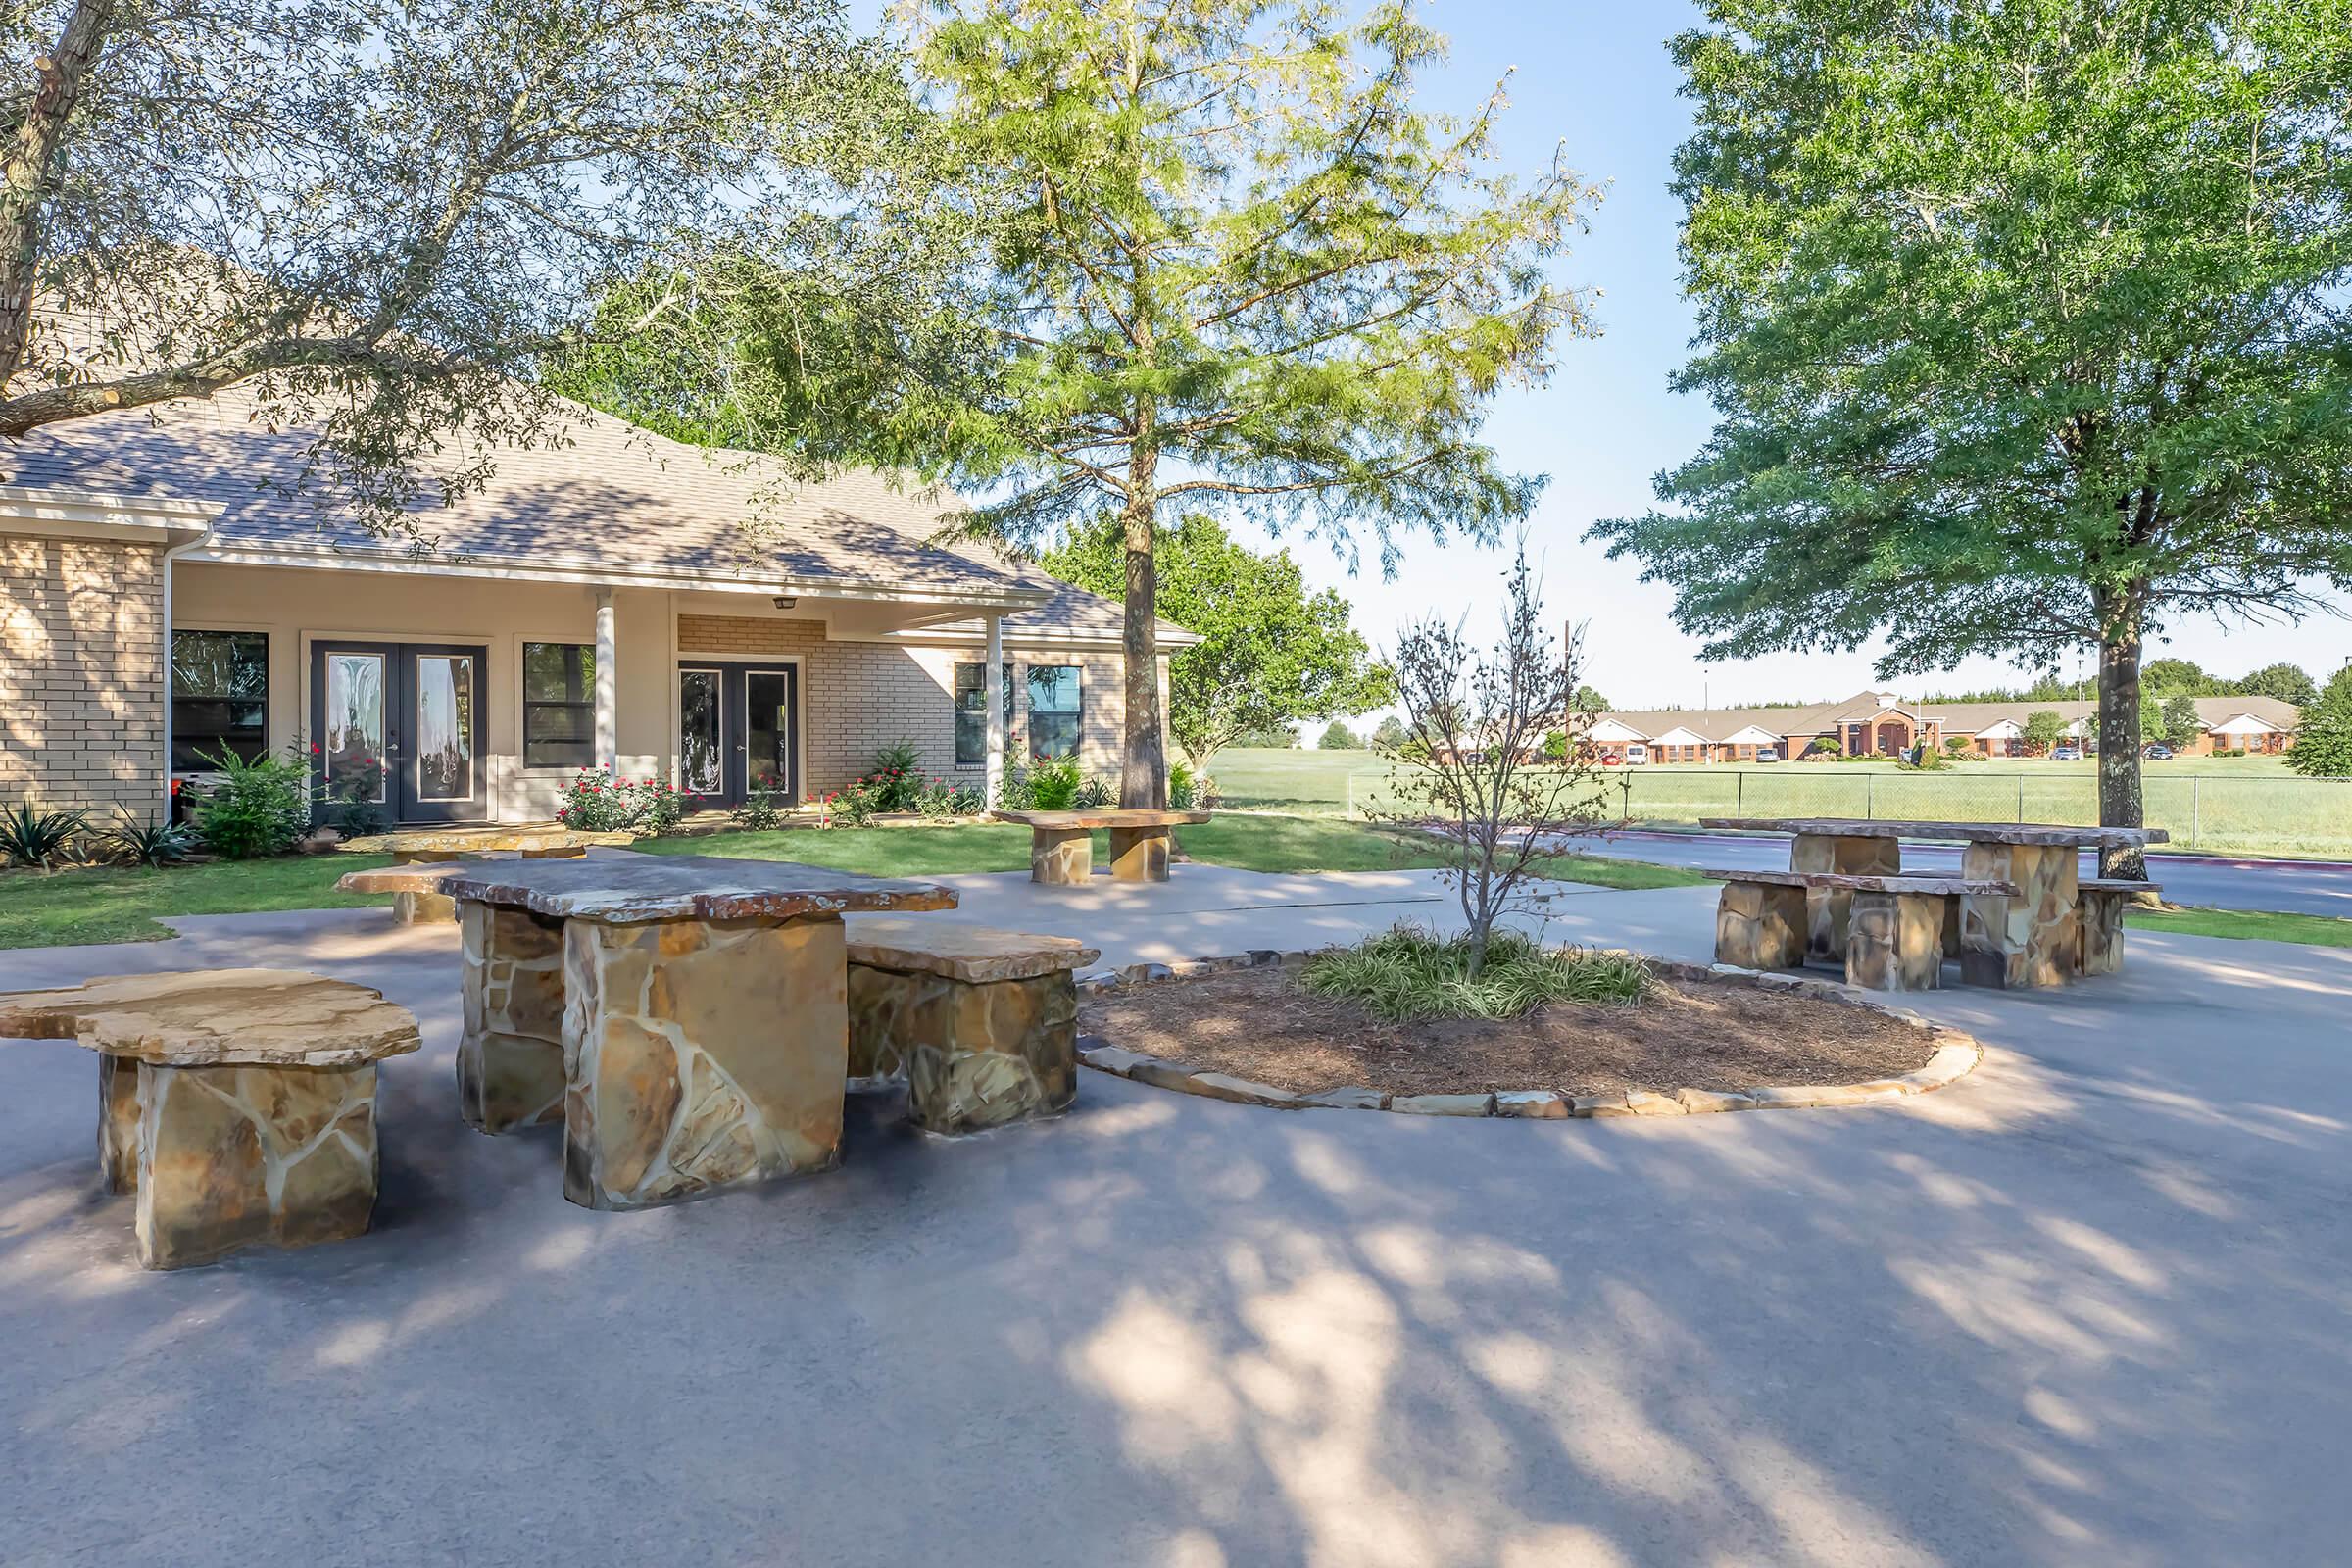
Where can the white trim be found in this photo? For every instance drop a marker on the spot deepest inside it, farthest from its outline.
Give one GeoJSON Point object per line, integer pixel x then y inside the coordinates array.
{"type": "Point", "coordinates": [1606, 728]}
{"type": "Point", "coordinates": [100, 515]}
{"type": "Point", "coordinates": [1681, 735]}
{"type": "Point", "coordinates": [1751, 735]}
{"type": "Point", "coordinates": [2244, 725]}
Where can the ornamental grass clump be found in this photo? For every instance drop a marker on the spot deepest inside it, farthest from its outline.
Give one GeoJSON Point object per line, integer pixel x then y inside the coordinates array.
{"type": "Point", "coordinates": [1411, 974]}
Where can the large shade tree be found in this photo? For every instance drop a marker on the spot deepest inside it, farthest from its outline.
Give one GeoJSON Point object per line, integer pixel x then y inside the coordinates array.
{"type": "Point", "coordinates": [1232, 260]}
{"type": "Point", "coordinates": [386, 221]}
{"type": "Point", "coordinates": [1271, 654]}
{"type": "Point", "coordinates": [2027, 328]}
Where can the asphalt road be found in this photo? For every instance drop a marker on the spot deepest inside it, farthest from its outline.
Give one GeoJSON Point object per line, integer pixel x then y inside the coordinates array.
{"type": "Point", "coordinates": [2292, 886]}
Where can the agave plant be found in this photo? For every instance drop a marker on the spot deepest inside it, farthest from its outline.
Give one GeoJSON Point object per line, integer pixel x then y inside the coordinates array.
{"type": "Point", "coordinates": [148, 841]}
{"type": "Point", "coordinates": [40, 838]}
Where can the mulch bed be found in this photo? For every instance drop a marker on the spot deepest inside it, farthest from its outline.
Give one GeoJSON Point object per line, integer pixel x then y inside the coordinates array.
{"type": "Point", "coordinates": [1258, 1024]}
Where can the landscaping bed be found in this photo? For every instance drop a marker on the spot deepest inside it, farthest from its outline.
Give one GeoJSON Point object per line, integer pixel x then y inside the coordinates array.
{"type": "Point", "coordinates": [1262, 1026]}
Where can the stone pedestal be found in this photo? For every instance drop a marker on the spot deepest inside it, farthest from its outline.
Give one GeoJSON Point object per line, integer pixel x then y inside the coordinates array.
{"type": "Point", "coordinates": [975, 1055]}
{"type": "Point", "coordinates": [242, 1156]}
{"type": "Point", "coordinates": [703, 1055]}
{"type": "Point", "coordinates": [1828, 909]}
{"type": "Point", "coordinates": [2031, 940]}
{"type": "Point", "coordinates": [1063, 858]}
{"type": "Point", "coordinates": [511, 1054]}
{"type": "Point", "coordinates": [1138, 854]}
{"type": "Point", "coordinates": [423, 908]}
{"type": "Point", "coordinates": [1894, 942]}
{"type": "Point", "coordinates": [2101, 919]}
{"type": "Point", "coordinates": [118, 1123]}
{"type": "Point", "coordinates": [1761, 926]}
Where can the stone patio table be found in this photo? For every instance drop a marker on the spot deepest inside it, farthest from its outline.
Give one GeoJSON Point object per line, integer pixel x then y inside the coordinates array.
{"type": "Point", "coordinates": [1061, 844]}
{"type": "Point", "coordinates": [2030, 939]}
{"type": "Point", "coordinates": [686, 1016]}
{"type": "Point", "coordinates": [435, 845]}
{"type": "Point", "coordinates": [239, 1104]}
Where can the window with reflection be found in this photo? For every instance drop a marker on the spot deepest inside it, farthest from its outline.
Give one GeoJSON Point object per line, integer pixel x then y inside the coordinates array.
{"type": "Point", "coordinates": [219, 696]}
{"type": "Point", "coordinates": [1054, 717]}
{"type": "Point", "coordinates": [558, 705]}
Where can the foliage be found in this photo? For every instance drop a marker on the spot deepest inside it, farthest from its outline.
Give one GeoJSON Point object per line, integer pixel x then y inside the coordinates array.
{"type": "Point", "coordinates": [254, 808]}
{"type": "Point", "coordinates": [852, 806]}
{"type": "Point", "coordinates": [762, 811]}
{"type": "Point", "coordinates": [1825, 746]}
{"type": "Point", "coordinates": [40, 838]}
{"type": "Point", "coordinates": [1391, 733]}
{"type": "Point", "coordinates": [382, 222]}
{"type": "Point", "coordinates": [2289, 683]}
{"type": "Point", "coordinates": [1337, 737]}
{"type": "Point", "coordinates": [1590, 700]}
{"type": "Point", "coordinates": [1473, 717]}
{"type": "Point", "coordinates": [944, 797]}
{"type": "Point", "coordinates": [1183, 788]}
{"type": "Point", "coordinates": [2026, 327]}
{"type": "Point", "coordinates": [595, 801]}
{"type": "Point", "coordinates": [2046, 728]}
{"type": "Point", "coordinates": [2170, 675]}
{"type": "Point", "coordinates": [898, 776]}
{"type": "Point", "coordinates": [1094, 793]}
{"type": "Point", "coordinates": [1954, 745]}
{"type": "Point", "coordinates": [1055, 784]}
{"type": "Point", "coordinates": [1555, 745]}
{"type": "Point", "coordinates": [1271, 655]}
{"type": "Point", "coordinates": [2323, 745]}
{"type": "Point", "coordinates": [1278, 738]}
{"type": "Point", "coordinates": [2181, 724]}
{"type": "Point", "coordinates": [1411, 974]}
{"type": "Point", "coordinates": [151, 840]}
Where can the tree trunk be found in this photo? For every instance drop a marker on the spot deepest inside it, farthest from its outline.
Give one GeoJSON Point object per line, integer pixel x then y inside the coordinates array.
{"type": "Point", "coordinates": [31, 164]}
{"type": "Point", "coordinates": [1144, 768]}
{"type": "Point", "coordinates": [2120, 799]}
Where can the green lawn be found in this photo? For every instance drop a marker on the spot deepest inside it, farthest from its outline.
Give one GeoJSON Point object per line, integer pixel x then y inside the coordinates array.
{"type": "Point", "coordinates": [119, 905]}
{"type": "Point", "coordinates": [2249, 805]}
{"type": "Point", "coordinates": [2248, 925]}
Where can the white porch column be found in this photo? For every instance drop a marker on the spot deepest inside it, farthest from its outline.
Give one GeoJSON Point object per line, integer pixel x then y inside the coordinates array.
{"type": "Point", "coordinates": [608, 686]}
{"type": "Point", "coordinates": [993, 776]}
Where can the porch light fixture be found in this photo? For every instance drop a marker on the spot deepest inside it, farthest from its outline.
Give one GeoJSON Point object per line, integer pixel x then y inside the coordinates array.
{"type": "Point", "coordinates": [784, 601]}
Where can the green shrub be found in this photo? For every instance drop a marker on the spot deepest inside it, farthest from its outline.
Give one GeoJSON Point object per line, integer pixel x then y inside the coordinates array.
{"type": "Point", "coordinates": [948, 797]}
{"type": "Point", "coordinates": [255, 808]}
{"type": "Point", "coordinates": [595, 801]}
{"type": "Point", "coordinates": [40, 838]}
{"type": "Point", "coordinates": [1411, 974]}
{"type": "Point", "coordinates": [147, 841]}
{"type": "Point", "coordinates": [1183, 788]}
{"type": "Point", "coordinates": [898, 777]}
{"type": "Point", "coordinates": [1094, 793]}
{"type": "Point", "coordinates": [853, 805]}
{"type": "Point", "coordinates": [1054, 785]}
{"type": "Point", "coordinates": [761, 812]}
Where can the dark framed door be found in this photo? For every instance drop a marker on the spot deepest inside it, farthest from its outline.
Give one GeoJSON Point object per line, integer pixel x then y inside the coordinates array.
{"type": "Point", "coordinates": [739, 725]}
{"type": "Point", "coordinates": [399, 726]}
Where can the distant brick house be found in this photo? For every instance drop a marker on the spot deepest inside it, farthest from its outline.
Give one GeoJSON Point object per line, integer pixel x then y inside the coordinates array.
{"type": "Point", "coordinates": [621, 600]}
{"type": "Point", "coordinates": [1883, 725]}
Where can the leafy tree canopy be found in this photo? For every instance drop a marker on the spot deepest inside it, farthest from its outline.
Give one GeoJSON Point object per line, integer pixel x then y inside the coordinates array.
{"type": "Point", "coordinates": [2046, 728]}
{"type": "Point", "coordinates": [2181, 724]}
{"type": "Point", "coordinates": [1391, 734]}
{"type": "Point", "coordinates": [1589, 701]}
{"type": "Point", "coordinates": [2163, 675]}
{"type": "Point", "coordinates": [387, 222]}
{"type": "Point", "coordinates": [1272, 655]}
{"type": "Point", "coordinates": [2322, 747]}
{"type": "Point", "coordinates": [2028, 327]}
{"type": "Point", "coordinates": [2290, 683]}
{"type": "Point", "coordinates": [1337, 737]}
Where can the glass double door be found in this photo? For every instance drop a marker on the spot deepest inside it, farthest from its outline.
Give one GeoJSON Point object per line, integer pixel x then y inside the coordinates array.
{"type": "Point", "coordinates": [398, 727]}
{"type": "Point", "coordinates": [739, 730]}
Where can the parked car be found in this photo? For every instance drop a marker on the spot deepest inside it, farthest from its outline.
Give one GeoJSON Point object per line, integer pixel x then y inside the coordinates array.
{"type": "Point", "coordinates": [1612, 760]}
{"type": "Point", "coordinates": [1767, 754]}
{"type": "Point", "coordinates": [2157, 752]}
{"type": "Point", "coordinates": [2068, 753]}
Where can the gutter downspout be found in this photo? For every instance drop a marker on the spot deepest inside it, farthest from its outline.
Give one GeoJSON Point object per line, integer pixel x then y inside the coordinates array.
{"type": "Point", "coordinates": [171, 554]}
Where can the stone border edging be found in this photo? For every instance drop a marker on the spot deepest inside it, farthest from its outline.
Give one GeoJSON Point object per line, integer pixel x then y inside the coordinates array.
{"type": "Point", "coordinates": [1956, 1056]}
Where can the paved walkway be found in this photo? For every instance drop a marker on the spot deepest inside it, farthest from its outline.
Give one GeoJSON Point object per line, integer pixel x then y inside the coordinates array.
{"type": "Point", "coordinates": [2091, 1304]}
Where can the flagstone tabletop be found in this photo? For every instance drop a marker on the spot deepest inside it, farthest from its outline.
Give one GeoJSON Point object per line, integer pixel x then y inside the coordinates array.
{"type": "Point", "coordinates": [217, 1017]}
{"type": "Point", "coordinates": [2039, 835]}
{"type": "Point", "coordinates": [638, 889]}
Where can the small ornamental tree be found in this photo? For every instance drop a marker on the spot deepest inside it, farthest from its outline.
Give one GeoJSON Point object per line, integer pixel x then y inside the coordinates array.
{"type": "Point", "coordinates": [1339, 738]}
{"type": "Point", "coordinates": [2046, 728]}
{"type": "Point", "coordinates": [2323, 744]}
{"type": "Point", "coordinates": [1475, 723]}
{"type": "Point", "coordinates": [1391, 733]}
{"type": "Point", "coordinates": [2181, 724]}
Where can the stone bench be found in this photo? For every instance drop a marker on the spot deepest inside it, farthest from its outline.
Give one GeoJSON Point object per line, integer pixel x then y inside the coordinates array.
{"type": "Point", "coordinates": [1895, 938]}
{"type": "Point", "coordinates": [2102, 903]}
{"type": "Point", "coordinates": [1061, 843]}
{"type": "Point", "coordinates": [239, 1104]}
{"type": "Point", "coordinates": [982, 1023]}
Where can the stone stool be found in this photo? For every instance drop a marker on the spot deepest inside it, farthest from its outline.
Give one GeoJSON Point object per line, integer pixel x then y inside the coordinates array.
{"type": "Point", "coordinates": [239, 1104]}
{"type": "Point", "coordinates": [2102, 905]}
{"type": "Point", "coordinates": [982, 1023]}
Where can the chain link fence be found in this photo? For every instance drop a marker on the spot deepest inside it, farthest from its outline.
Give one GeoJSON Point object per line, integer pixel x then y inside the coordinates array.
{"type": "Point", "coordinates": [2205, 811]}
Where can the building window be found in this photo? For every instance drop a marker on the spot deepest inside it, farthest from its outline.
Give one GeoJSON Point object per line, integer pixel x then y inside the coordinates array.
{"type": "Point", "coordinates": [219, 696]}
{"type": "Point", "coordinates": [1053, 711]}
{"type": "Point", "coordinates": [558, 705]}
{"type": "Point", "coordinates": [971, 713]}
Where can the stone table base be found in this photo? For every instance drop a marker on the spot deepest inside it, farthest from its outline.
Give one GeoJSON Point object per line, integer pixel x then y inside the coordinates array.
{"type": "Point", "coordinates": [702, 1055]}
{"type": "Point", "coordinates": [1061, 858]}
{"type": "Point", "coordinates": [2033, 939]}
{"type": "Point", "coordinates": [2102, 920]}
{"type": "Point", "coordinates": [975, 1055]}
{"type": "Point", "coordinates": [511, 1054]}
{"type": "Point", "coordinates": [1894, 941]}
{"type": "Point", "coordinates": [423, 908]}
{"type": "Point", "coordinates": [1761, 925]}
{"type": "Point", "coordinates": [1139, 853]}
{"type": "Point", "coordinates": [228, 1157]}
{"type": "Point", "coordinates": [1828, 909]}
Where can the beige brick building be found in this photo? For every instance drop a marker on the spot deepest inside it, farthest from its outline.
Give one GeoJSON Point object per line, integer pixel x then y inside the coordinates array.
{"type": "Point", "coordinates": [620, 601]}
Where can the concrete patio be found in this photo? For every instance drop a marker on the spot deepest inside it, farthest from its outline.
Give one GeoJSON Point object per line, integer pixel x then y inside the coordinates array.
{"type": "Point", "coordinates": [2092, 1303]}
